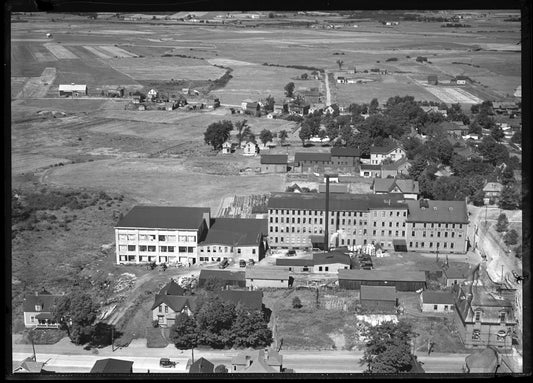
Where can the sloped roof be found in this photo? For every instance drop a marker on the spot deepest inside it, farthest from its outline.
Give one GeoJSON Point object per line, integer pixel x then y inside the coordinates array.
{"type": "Point", "coordinates": [378, 293]}
{"type": "Point", "coordinates": [339, 151]}
{"type": "Point", "coordinates": [294, 262]}
{"type": "Point", "coordinates": [333, 188]}
{"type": "Point", "coordinates": [252, 299]}
{"type": "Point", "coordinates": [493, 187]}
{"type": "Point", "coordinates": [164, 217]}
{"type": "Point", "coordinates": [110, 365]}
{"type": "Point", "coordinates": [331, 258]}
{"type": "Point", "coordinates": [223, 275]}
{"type": "Point", "coordinates": [29, 365]}
{"type": "Point", "coordinates": [437, 297]}
{"type": "Point", "coordinates": [273, 358]}
{"type": "Point", "coordinates": [172, 288]}
{"type": "Point", "coordinates": [201, 366]}
{"type": "Point", "coordinates": [384, 149]}
{"type": "Point", "coordinates": [396, 164]}
{"type": "Point", "coordinates": [370, 167]}
{"type": "Point", "coordinates": [309, 156]}
{"type": "Point", "coordinates": [337, 201]}
{"type": "Point", "coordinates": [46, 301]}
{"type": "Point", "coordinates": [438, 212]}
{"type": "Point", "coordinates": [378, 275]}
{"type": "Point", "coordinates": [271, 273]}
{"type": "Point", "coordinates": [277, 159]}
{"type": "Point", "coordinates": [450, 125]}
{"type": "Point", "coordinates": [176, 303]}
{"type": "Point", "coordinates": [236, 231]}
{"type": "Point", "coordinates": [386, 185]}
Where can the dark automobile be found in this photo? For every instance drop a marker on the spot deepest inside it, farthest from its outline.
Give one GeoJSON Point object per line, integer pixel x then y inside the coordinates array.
{"type": "Point", "coordinates": [223, 264]}
{"type": "Point", "coordinates": [291, 253]}
{"type": "Point", "coordinates": [251, 262]}
{"type": "Point", "coordinates": [165, 362]}
{"type": "Point", "coordinates": [242, 263]}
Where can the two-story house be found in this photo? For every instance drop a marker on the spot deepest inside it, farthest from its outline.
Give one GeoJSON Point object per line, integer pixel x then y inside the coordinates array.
{"type": "Point", "coordinates": [38, 310]}
{"type": "Point", "coordinates": [409, 189]}
{"type": "Point", "coordinates": [379, 153]}
{"type": "Point", "coordinates": [161, 234]}
{"type": "Point", "coordinates": [171, 301]}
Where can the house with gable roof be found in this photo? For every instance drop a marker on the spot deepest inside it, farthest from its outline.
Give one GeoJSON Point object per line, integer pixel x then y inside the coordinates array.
{"type": "Point", "coordinates": [436, 301]}
{"type": "Point", "coordinates": [201, 366]}
{"type": "Point", "coordinates": [274, 163]}
{"type": "Point", "coordinates": [344, 157]}
{"type": "Point", "coordinates": [311, 161]}
{"type": "Point", "coordinates": [395, 168]}
{"type": "Point", "coordinates": [112, 366]}
{"type": "Point", "coordinates": [492, 192]}
{"type": "Point", "coordinates": [257, 361]}
{"type": "Point", "coordinates": [171, 301]}
{"type": "Point", "coordinates": [408, 188]}
{"type": "Point", "coordinates": [38, 310]}
{"type": "Point", "coordinates": [379, 153]}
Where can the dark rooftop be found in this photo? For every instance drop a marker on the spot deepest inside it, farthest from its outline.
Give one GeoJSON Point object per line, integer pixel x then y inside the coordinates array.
{"type": "Point", "coordinates": [252, 299]}
{"type": "Point", "coordinates": [338, 151]}
{"type": "Point", "coordinates": [176, 303]}
{"type": "Point", "coordinates": [46, 301]}
{"type": "Point", "coordinates": [330, 258]}
{"type": "Point", "coordinates": [375, 275]}
{"type": "Point", "coordinates": [294, 262]}
{"type": "Point", "coordinates": [387, 185]}
{"type": "Point", "coordinates": [114, 366]}
{"type": "Point", "coordinates": [383, 149]}
{"type": "Point", "coordinates": [370, 167]}
{"type": "Point", "coordinates": [172, 288]}
{"type": "Point", "coordinates": [378, 293]}
{"type": "Point", "coordinates": [223, 275]}
{"type": "Point", "coordinates": [275, 159]}
{"type": "Point", "coordinates": [201, 366]}
{"type": "Point", "coordinates": [309, 156]}
{"type": "Point", "coordinates": [437, 297]}
{"type": "Point", "coordinates": [236, 231]}
{"type": "Point", "coordinates": [438, 212]}
{"type": "Point", "coordinates": [164, 217]}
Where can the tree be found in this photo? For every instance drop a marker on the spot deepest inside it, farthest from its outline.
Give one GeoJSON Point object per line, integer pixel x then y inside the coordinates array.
{"type": "Point", "coordinates": [417, 167]}
{"type": "Point", "coordinates": [296, 303]}
{"type": "Point", "coordinates": [322, 134]}
{"type": "Point", "coordinates": [477, 198]}
{"type": "Point", "coordinates": [497, 133]}
{"type": "Point", "coordinates": [221, 369]}
{"type": "Point", "coordinates": [250, 329]}
{"type": "Point", "coordinates": [282, 135]}
{"type": "Point", "coordinates": [184, 332]}
{"type": "Point", "coordinates": [332, 129]}
{"type": "Point", "coordinates": [269, 104]}
{"type": "Point", "coordinates": [266, 136]}
{"type": "Point", "coordinates": [76, 312]}
{"type": "Point", "coordinates": [305, 133]}
{"type": "Point", "coordinates": [373, 107]}
{"type": "Point", "coordinates": [502, 223]}
{"type": "Point", "coordinates": [304, 76]}
{"type": "Point", "coordinates": [517, 138]}
{"type": "Point", "coordinates": [214, 321]}
{"type": "Point", "coordinates": [511, 237]}
{"type": "Point", "coordinates": [509, 198]}
{"type": "Point", "coordinates": [388, 348]}
{"type": "Point", "coordinates": [241, 130]}
{"type": "Point", "coordinates": [450, 189]}
{"type": "Point", "coordinates": [339, 63]}
{"type": "Point", "coordinates": [217, 133]}
{"type": "Point", "coordinates": [507, 176]}
{"type": "Point", "coordinates": [289, 89]}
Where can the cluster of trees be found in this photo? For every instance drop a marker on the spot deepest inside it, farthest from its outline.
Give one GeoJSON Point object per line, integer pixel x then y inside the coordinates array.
{"type": "Point", "coordinates": [511, 236]}
{"type": "Point", "coordinates": [221, 324]}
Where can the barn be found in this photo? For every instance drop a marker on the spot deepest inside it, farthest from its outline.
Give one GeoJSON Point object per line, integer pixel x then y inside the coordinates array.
{"type": "Point", "coordinates": [72, 90]}
{"type": "Point", "coordinates": [402, 280]}
{"type": "Point", "coordinates": [296, 264]}
{"type": "Point", "coordinates": [223, 277]}
{"type": "Point", "coordinates": [260, 277]}
{"type": "Point", "coordinates": [380, 299]}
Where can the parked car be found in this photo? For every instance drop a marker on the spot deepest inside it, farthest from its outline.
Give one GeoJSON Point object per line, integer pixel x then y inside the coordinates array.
{"type": "Point", "coordinates": [223, 264]}
{"type": "Point", "coordinates": [251, 262]}
{"type": "Point", "coordinates": [291, 253]}
{"type": "Point", "coordinates": [166, 362]}
{"type": "Point", "coordinates": [242, 263]}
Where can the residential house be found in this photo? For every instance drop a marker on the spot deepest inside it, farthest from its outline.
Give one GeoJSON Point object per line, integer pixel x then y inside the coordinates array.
{"type": "Point", "coordinates": [115, 92]}
{"type": "Point", "coordinates": [379, 153]}
{"type": "Point", "coordinates": [492, 192]}
{"type": "Point", "coordinates": [333, 177]}
{"type": "Point", "coordinates": [136, 99]}
{"type": "Point", "coordinates": [186, 91]}
{"type": "Point", "coordinates": [334, 188]}
{"type": "Point", "coordinates": [170, 105]}
{"type": "Point", "coordinates": [296, 264]}
{"type": "Point", "coordinates": [257, 361]}
{"type": "Point", "coordinates": [224, 277]}
{"type": "Point", "coordinates": [434, 109]}
{"type": "Point", "coordinates": [344, 157]}
{"type": "Point", "coordinates": [443, 171]}
{"type": "Point", "coordinates": [161, 234]}
{"type": "Point", "coordinates": [38, 310]}
{"type": "Point", "coordinates": [278, 109]}
{"type": "Point", "coordinates": [112, 366]}
{"type": "Point", "coordinates": [330, 262]}
{"type": "Point", "coordinates": [151, 95]}
{"type": "Point", "coordinates": [202, 366]}
{"type": "Point", "coordinates": [260, 277]}
{"type": "Point", "coordinates": [380, 299]}
{"type": "Point", "coordinates": [403, 280]}
{"type": "Point", "coordinates": [227, 148]}
{"type": "Point", "coordinates": [456, 273]}
{"type": "Point", "coordinates": [483, 318]}
{"type": "Point", "coordinates": [408, 188]}
{"type": "Point", "coordinates": [234, 239]}
{"type": "Point", "coordinates": [250, 148]}
{"type": "Point", "coordinates": [367, 171]}
{"type": "Point", "coordinates": [400, 166]}
{"type": "Point", "coordinates": [301, 109]}
{"type": "Point", "coordinates": [309, 161]}
{"type": "Point", "coordinates": [274, 163]}
{"type": "Point", "coordinates": [433, 80]}
{"type": "Point", "coordinates": [436, 301]}
{"type": "Point", "coordinates": [169, 302]}
{"type": "Point", "coordinates": [504, 107]}
{"type": "Point", "coordinates": [249, 299]}
{"type": "Point", "coordinates": [72, 90]}
{"type": "Point", "coordinates": [460, 80]}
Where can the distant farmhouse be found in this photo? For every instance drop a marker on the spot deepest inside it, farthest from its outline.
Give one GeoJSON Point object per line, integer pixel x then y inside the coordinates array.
{"type": "Point", "coordinates": [72, 90]}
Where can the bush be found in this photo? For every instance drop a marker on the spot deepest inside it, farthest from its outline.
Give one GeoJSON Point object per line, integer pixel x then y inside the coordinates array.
{"type": "Point", "coordinates": [511, 237]}
{"type": "Point", "coordinates": [296, 303]}
{"type": "Point", "coordinates": [221, 369]}
{"type": "Point", "coordinates": [391, 59]}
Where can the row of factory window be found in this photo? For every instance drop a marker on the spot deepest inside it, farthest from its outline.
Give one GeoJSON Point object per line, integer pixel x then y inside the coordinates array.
{"type": "Point", "coordinates": [160, 238]}
{"type": "Point", "coordinates": [452, 234]}
{"type": "Point", "coordinates": [316, 213]}
{"type": "Point", "coordinates": [430, 245]}
{"type": "Point", "coordinates": [438, 225]}
{"type": "Point", "coordinates": [318, 221]}
{"type": "Point", "coordinates": [153, 249]}
{"type": "Point", "coordinates": [153, 258]}
{"type": "Point", "coordinates": [318, 230]}
{"type": "Point", "coordinates": [221, 249]}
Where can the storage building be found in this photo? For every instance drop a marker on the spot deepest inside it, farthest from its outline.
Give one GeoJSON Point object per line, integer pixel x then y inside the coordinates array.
{"type": "Point", "coordinates": [380, 299]}
{"type": "Point", "coordinates": [402, 280]}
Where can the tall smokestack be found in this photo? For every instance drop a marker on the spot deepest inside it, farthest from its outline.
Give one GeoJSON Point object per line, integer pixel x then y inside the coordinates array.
{"type": "Point", "coordinates": [326, 234]}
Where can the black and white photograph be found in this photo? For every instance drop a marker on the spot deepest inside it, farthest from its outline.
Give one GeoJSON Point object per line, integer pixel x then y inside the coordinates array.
{"type": "Point", "coordinates": [279, 193]}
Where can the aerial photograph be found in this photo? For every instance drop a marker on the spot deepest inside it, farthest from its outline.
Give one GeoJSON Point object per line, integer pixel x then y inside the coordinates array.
{"type": "Point", "coordinates": [266, 193]}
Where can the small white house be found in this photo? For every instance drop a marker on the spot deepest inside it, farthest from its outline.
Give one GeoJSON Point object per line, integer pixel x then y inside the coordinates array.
{"type": "Point", "coordinates": [250, 149]}
{"type": "Point", "coordinates": [152, 93]}
{"type": "Point", "coordinates": [436, 301]}
{"type": "Point", "coordinates": [261, 277]}
{"type": "Point", "coordinates": [226, 147]}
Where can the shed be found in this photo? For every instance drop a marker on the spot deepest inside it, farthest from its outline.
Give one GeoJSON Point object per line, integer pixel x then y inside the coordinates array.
{"type": "Point", "coordinates": [72, 90]}
{"type": "Point", "coordinates": [379, 298]}
{"type": "Point", "coordinates": [258, 277]}
{"type": "Point", "coordinates": [225, 277]}
{"type": "Point", "coordinates": [330, 262]}
{"type": "Point", "coordinates": [112, 366]}
{"type": "Point", "coordinates": [403, 280]}
{"type": "Point", "coordinates": [436, 301]}
{"type": "Point", "coordinates": [201, 366]}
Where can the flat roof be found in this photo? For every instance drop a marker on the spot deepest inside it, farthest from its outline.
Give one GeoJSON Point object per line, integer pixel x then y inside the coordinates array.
{"type": "Point", "coordinates": [164, 217]}
{"type": "Point", "coordinates": [337, 151]}
{"type": "Point", "coordinates": [437, 297]}
{"type": "Point", "coordinates": [378, 275]}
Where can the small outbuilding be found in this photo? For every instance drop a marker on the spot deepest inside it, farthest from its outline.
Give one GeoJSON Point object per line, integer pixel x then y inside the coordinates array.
{"type": "Point", "coordinates": [330, 262]}
{"type": "Point", "coordinates": [436, 301]}
{"type": "Point", "coordinates": [379, 298]}
{"type": "Point", "coordinates": [260, 277]}
{"type": "Point", "coordinates": [112, 366]}
{"type": "Point", "coordinates": [72, 90]}
{"type": "Point", "coordinates": [456, 273]}
{"type": "Point", "coordinates": [274, 163]}
{"type": "Point", "coordinates": [403, 280]}
{"type": "Point", "coordinates": [224, 277]}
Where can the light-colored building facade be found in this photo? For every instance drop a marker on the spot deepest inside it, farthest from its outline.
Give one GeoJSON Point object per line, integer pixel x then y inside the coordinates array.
{"type": "Point", "coordinates": [267, 277]}
{"type": "Point", "coordinates": [378, 154]}
{"type": "Point", "coordinates": [38, 310]}
{"type": "Point", "coordinates": [274, 163]}
{"type": "Point", "coordinates": [330, 263]}
{"type": "Point", "coordinates": [436, 301]}
{"type": "Point", "coordinates": [161, 234]}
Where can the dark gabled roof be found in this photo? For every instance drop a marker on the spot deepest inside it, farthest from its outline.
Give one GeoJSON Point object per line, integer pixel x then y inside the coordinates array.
{"type": "Point", "coordinates": [270, 273]}
{"type": "Point", "coordinates": [236, 231]}
{"type": "Point", "coordinates": [333, 188]}
{"type": "Point", "coordinates": [395, 165]}
{"type": "Point", "coordinates": [437, 297]}
{"type": "Point", "coordinates": [113, 366]}
{"type": "Point", "coordinates": [176, 303]}
{"type": "Point", "coordinates": [330, 258]}
{"type": "Point", "coordinates": [386, 185]}
{"type": "Point", "coordinates": [294, 262]}
{"type": "Point", "coordinates": [273, 358]}
{"type": "Point", "coordinates": [337, 201]}
{"type": "Point", "coordinates": [309, 156]}
{"type": "Point", "coordinates": [438, 212]}
{"type": "Point", "coordinates": [253, 300]}
{"type": "Point", "coordinates": [222, 275]}
{"type": "Point", "coordinates": [172, 288]}
{"type": "Point", "coordinates": [275, 159]}
{"type": "Point", "coordinates": [460, 77]}
{"type": "Point", "coordinates": [46, 301]}
{"type": "Point", "coordinates": [378, 293]}
{"type": "Point", "coordinates": [370, 167]}
{"type": "Point", "coordinates": [164, 217]}
{"type": "Point", "coordinates": [201, 366]}
{"type": "Point", "coordinates": [375, 275]}
{"type": "Point", "coordinates": [383, 149]}
{"type": "Point", "coordinates": [337, 151]}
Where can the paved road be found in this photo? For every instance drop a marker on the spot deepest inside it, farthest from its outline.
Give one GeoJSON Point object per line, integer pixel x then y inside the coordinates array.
{"type": "Point", "coordinates": [328, 93]}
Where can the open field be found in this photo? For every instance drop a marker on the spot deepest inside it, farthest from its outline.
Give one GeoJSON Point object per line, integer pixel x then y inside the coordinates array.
{"type": "Point", "coordinates": [455, 95]}
{"type": "Point", "coordinates": [38, 86]}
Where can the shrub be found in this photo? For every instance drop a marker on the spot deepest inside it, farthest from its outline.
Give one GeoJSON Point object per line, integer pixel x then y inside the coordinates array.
{"type": "Point", "coordinates": [296, 303]}
{"type": "Point", "coordinates": [511, 237]}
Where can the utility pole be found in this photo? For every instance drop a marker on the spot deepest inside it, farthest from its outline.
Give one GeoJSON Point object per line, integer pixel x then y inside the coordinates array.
{"type": "Point", "coordinates": [326, 234]}
{"type": "Point", "coordinates": [112, 338]}
{"type": "Point", "coordinates": [33, 347]}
